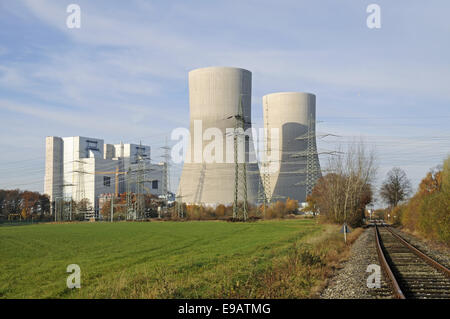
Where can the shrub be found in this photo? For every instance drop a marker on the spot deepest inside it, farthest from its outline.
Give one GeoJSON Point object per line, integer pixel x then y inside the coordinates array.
{"type": "Point", "coordinates": [428, 212]}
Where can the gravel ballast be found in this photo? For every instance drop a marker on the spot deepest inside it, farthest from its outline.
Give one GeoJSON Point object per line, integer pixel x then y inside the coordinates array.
{"type": "Point", "coordinates": [350, 282]}
{"type": "Point", "coordinates": [440, 256]}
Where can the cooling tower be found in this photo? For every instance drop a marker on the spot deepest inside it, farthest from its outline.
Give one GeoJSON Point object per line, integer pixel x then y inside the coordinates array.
{"type": "Point", "coordinates": [291, 113]}
{"type": "Point", "coordinates": [215, 94]}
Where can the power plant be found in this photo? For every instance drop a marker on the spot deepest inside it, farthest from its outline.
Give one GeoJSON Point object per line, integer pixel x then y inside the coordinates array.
{"type": "Point", "coordinates": [220, 163]}
{"type": "Point", "coordinates": [84, 168]}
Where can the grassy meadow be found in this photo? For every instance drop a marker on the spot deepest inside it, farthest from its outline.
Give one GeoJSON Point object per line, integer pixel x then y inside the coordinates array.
{"type": "Point", "coordinates": [197, 259]}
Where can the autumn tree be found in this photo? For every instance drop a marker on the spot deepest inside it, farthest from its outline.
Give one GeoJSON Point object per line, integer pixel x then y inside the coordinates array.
{"type": "Point", "coordinates": [28, 204]}
{"type": "Point", "coordinates": [432, 182]}
{"type": "Point", "coordinates": [291, 206]}
{"type": "Point", "coordinates": [396, 187]}
{"type": "Point", "coordinates": [427, 213]}
{"type": "Point", "coordinates": [342, 195]}
{"type": "Point", "coordinates": [220, 211]}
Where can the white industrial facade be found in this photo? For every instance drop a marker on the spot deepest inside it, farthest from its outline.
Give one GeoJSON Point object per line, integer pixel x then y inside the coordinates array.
{"type": "Point", "coordinates": [84, 168]}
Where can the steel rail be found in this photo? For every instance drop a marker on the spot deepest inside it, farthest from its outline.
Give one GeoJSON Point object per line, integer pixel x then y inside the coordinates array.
{"type": "Point", "coordinates": [394, 284]}
{"type": "Point", "coordinates": [420, 254]}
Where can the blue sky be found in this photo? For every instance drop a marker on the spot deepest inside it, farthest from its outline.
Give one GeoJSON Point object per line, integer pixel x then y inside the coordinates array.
{"type": "Point", "coordinates": [123, 74]}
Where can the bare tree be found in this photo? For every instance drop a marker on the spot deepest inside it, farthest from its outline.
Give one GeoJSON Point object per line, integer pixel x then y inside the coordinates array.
{"type": "Point", "coordinates": [396, 187]}
{"type": "Point", "coordinates": [343, 193]}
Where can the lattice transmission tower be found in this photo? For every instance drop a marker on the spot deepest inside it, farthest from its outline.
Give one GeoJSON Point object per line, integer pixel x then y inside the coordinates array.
{"type": "Point", "coordinates": [166, 175]}
{"type": "Point", "coordinates": [264, 191]}
{"type": "Point", "coordinates": [179, 205]}
{"type": "Point", "coordinates": [140, 180]}
{"type": "Point", "coordinates": [80, 193]}
{"type": "Point", "coordinates": [312, 170]}
{"type": "Point", "coordinates": [131, 209]}
{"type": "Point", "coordinates": [240, 169]}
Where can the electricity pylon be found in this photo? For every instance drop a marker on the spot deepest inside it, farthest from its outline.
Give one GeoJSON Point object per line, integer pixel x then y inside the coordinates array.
{"type": "Point", "coordinates": [140, 179]}
{"type": "Point", "coordinates": [131, 211]}
{"type": "Point", "coordinates": [240, 169]}
{"type": "Point", "coordinates": [166, 175]}
{"type": "Point", "coordinates": [265, 188]}
{"type": "Point", "coordinates": [80, 192]}
{"type": "Point", "coordinates": [63, 213]}
{"type": "Point", "coordinates": [313, 172]}
{"type": "Point", "coordinates": [201, 181]}
{"type": "Point", "coordinates": [179, 205]}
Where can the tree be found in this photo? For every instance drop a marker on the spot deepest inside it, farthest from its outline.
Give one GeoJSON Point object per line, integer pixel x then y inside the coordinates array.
{"type": "Point", "coordinates": [342, 195]}
{"type": "Point", "coordinates": [396, 187]}
{"type": "Point", "coordinates": [291, 206]}
{"type": "Point", "coordinates": [427, 213]}
{"type": "Point", "coordinates": [44, 205]}
{"type": "Point", "coordinates": [29, 203]}
{"type": "Point", "coordinates": [220, 211]}
{"type": "Point", "coordinates": [432, 182]}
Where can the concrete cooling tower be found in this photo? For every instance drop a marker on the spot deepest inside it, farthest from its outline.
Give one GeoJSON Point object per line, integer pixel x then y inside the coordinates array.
{"type": "Point", "coordinates": [215, 94]}
{"type": "Point", "coordinates": [291, 113]}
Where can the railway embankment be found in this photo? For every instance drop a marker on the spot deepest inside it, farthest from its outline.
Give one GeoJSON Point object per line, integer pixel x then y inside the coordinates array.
{"type": "Point", "coordinates": [350, 281]}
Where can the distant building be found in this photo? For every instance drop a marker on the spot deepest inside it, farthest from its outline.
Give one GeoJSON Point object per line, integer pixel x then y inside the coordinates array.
{"type": "Point", "coordinates": [78, 168]}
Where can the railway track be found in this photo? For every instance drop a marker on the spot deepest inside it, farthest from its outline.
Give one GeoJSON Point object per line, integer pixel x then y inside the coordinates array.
{"type": "Point", "coordinates": [411, 274]}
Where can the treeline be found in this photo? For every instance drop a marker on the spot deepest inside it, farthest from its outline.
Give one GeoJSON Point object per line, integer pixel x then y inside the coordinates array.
{"type": "Point", "coordinates": [154, 208]}
{"type": "Point", "coordinates": [279, 209]}
{"type": "Point", "coordinates": [21, 205]}
{"type": "Point", "coordinates": [427, 213]}
{"type": "Point", "coordinates": [150, 205]}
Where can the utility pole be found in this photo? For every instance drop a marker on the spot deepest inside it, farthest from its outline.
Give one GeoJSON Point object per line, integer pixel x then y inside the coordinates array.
{"type": "Point", "coordinates": [265, 188]}
{"type": "Point", "coordinates": [166, 176]}
{"type": "Point", "coordinates": [201, 181]}
{"type": "Point", "coordinates": [131, 212]}
{"type": "Point", "coordinates": [112, 207]}
{"type": "Point", "coordinates": [59, 206]}
{"type": "Point", "coordinates": [63, 206]}
{"type": "Point", "coordinates": [80, 191]}
{"type": "Point", "coordinates": [179, 205]}
{"type": "Point", "coordinates": [313, 172]}
{"type": "Point", "coordinates": [140, 179]}
{"type": "Point", "coordinates": [240, 169]}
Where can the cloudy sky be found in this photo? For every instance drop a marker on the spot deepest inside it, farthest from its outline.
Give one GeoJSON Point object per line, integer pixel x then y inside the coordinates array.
{"type": "Point", "coordinates": [123, 74]}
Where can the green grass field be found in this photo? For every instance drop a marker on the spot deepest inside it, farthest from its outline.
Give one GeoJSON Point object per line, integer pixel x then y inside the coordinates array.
{"type": "Point", "coordinates": [208, 259]}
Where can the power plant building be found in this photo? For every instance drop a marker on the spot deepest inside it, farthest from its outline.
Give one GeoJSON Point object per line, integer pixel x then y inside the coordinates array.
{"type": "Point", "coordinates": [78, 168]}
